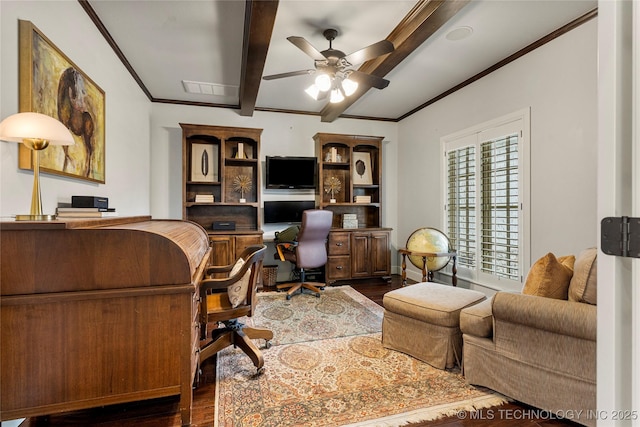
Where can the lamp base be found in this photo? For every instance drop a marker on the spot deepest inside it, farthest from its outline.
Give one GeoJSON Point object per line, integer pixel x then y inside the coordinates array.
{"type": "Point", "coordinates": [35, 217]}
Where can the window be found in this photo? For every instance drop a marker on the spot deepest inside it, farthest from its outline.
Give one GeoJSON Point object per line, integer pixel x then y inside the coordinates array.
{"type": "Point", "coordinates": [485, 192]}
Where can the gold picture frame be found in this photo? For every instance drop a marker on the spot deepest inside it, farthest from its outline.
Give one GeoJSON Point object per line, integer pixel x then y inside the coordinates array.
{"type": "Point", "coordinates": [50, 83]}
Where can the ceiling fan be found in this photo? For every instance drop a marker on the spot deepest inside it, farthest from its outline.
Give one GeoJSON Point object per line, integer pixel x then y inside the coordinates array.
{"type": "Point", "coordinates": [334, 69]}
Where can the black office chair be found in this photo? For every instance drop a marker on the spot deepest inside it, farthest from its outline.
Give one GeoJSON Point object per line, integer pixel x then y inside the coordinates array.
{"type": "Point", "coordinates": [309, 250]}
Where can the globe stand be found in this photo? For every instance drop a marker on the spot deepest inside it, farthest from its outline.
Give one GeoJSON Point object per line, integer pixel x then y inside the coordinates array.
{"type": "Point", "coordinates": [429, 249]}
{"type": "Point", "coordinates": [427, 275]}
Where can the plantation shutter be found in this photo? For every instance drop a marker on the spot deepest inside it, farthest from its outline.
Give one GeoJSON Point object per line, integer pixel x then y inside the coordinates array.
{"type": "Point", "coordinates": [499, 185]}
{"type": "Point", "coordinates": [485, 169]}
{"type": "Point", "coordinates": [461, 195]}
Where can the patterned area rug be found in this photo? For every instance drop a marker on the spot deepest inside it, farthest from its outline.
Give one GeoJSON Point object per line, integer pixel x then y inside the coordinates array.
{"type": "Point", "coordinates": [336, 381]}
{"type": "Point", "coordinates": [339, 312]}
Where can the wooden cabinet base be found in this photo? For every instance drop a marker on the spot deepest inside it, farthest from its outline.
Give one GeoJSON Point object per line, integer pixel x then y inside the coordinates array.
{"type": "Point", "coordinates": [360, 253]}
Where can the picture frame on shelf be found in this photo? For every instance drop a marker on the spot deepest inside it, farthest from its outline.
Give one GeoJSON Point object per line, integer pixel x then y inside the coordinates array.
{"type": "Point", "coordinates": [50, 83]}
{"type": "Point", "coordinates": [362, 174]}
{"type": "Point", "coordinates": [204, 162]}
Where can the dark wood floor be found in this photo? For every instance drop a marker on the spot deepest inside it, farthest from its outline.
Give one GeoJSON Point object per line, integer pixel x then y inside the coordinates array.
{"type": "Point", "coordinates": [164, 412]}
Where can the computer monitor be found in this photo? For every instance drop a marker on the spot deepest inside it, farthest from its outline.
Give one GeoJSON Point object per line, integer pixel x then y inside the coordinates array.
{"type": "Point", "coordinates": [286, 211]}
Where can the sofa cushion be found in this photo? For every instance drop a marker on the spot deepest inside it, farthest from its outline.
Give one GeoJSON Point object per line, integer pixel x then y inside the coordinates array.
{"type": "Point", "coordinates": [550, 277]}
{"type": "Point", "coordinates": [583, 286]}
{"type": "Point", "coordinates": [477, 320]}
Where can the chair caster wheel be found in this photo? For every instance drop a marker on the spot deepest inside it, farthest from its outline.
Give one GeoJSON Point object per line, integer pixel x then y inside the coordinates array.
{"type": "Point", "coordinates": [267, 344]}
{"type": "Point", "coordinates": [322, 288]}
{"type": "Point", "coordinates": [288, 297]}
{"type": "Point", "coordinates": [318, 295]}
{"type": "Point", "coordinates": [260, 371]}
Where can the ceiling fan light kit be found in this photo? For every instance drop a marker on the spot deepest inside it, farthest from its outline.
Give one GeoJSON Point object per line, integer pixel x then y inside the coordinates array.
{"type": "Point", "coordinates": [336, 96]}
{"type": "Point", "coordinates": [336, 77]}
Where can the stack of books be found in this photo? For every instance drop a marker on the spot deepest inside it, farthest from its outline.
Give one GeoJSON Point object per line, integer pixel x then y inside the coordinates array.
{"type": "Point", "coordinates": [85, 212]}
{"type": "Point", "coordinates": [204, 198]}
{"type": "Point", "coordinates": [349, 221]}
{"type": "Point", "coordinates": [362, 199]}
{"type": "Point", "coordinates": [86, 207]}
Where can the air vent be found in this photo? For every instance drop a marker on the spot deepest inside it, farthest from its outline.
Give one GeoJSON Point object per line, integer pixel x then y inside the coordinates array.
{"type": "Point", "coordinates": [214, 89]}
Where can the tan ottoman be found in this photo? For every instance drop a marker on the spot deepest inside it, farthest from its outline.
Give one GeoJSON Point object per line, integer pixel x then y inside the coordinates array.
{"type": "Point", "coordinates": [423, 321]}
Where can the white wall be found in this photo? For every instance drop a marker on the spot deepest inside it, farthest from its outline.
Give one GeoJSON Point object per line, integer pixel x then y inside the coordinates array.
{"type": "Point", "coordinates": [558, 81]}
{"type": "Point", "coordinates": [127, 112]}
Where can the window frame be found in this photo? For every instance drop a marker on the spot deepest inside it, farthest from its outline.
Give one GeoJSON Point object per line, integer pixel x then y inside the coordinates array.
{"type": "Point", "coordinates": [518, 121]}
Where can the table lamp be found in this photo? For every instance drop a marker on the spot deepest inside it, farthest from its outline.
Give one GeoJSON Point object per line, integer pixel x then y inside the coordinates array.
{"type": "Point", "coordinates": [36, 131]}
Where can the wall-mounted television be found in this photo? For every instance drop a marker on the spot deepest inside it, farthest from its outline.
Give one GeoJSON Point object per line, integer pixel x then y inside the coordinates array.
{"type": "Point", "coordinates": [286, 210]}
{"type": "Point", "coordinates": [291, 172]}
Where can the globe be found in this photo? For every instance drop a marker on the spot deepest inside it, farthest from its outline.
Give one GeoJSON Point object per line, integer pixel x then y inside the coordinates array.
{"type": "Point", "coordinates": [429, 239]}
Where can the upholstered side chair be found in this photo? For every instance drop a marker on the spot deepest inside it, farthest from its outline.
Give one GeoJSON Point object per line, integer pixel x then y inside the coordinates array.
{"type": "Point", "coordinates": [309, 250]}
{"type": "Point", "coordinates": [223, 301]}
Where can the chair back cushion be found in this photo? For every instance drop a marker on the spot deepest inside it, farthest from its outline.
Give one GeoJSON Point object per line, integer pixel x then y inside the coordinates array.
{"type": "Point", "coordinates": [238, 291]}
{"type": "Point", "coordinates": [311, 251]}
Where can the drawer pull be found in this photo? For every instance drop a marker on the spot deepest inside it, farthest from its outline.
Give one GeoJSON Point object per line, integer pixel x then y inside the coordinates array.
{"type": "Point", "coordinates": [339, 244]}
{"type": "Point", "coordinates": [339, 267]}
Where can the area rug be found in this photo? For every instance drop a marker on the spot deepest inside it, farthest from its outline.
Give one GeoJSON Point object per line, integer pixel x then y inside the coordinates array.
{"type": "Point", "coordinates": [347, 380]}
{"type": "Point", "coordinates": [340, 311]}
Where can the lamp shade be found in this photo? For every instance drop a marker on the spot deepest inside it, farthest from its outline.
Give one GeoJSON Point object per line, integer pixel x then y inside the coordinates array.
{"type": "Point", "coordinates": [21, 126]}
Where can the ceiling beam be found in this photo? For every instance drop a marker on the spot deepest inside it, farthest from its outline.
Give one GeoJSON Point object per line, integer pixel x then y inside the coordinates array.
{"type": "Point", "coordinates": [259, 18]}
{"type": "Point", "coordinates": [426, 17]}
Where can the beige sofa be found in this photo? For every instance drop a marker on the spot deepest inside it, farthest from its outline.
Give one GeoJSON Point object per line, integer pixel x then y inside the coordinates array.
{"type": "Point", "coordinates": [539, 350]}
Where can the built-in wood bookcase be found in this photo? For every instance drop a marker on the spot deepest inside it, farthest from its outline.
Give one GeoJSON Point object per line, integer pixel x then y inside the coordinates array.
{"type": "Point", "coordinates": [215, 161]}
{"type": "Point", "coordinates": [353, 163]}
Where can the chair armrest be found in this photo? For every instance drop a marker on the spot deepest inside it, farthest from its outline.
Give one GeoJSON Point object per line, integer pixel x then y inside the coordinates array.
{"type": "Point", "coordinates": [569, 318]}
{"type": "Point", "coordinates": [285, 246]}
{"type": "Point", "coordinates": [221, 284]}
{"type": "Point", "coordinates": [212, 269]}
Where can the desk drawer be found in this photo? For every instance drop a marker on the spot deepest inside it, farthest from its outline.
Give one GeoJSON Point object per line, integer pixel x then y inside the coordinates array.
{"type": "Point", "coordinates": [339, 243]}
{"type": "Point", "coordinates": [339, 268]}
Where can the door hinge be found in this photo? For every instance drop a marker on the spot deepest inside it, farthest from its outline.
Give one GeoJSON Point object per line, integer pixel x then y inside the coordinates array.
{"type": "Point", "coordinates": [620, 236]}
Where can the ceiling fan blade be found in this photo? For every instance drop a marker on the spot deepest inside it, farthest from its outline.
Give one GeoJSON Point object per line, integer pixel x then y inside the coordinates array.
{"type": "Point", "coordinates": [289, 74]}
{"type": "Point", "coordinates": [368, 79]}
{"type": "Point", "coordinates": [370, 52]}
{"type": "Point", "coordinates": [302, 44]}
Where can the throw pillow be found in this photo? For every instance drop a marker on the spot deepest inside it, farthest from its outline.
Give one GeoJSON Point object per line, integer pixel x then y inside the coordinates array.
{"type": "Point", "coordinates": [583, 286]}
{"type": "Point", "coordinates": [550, 277]}
{"type": "Point", "coordinates": [238, 291]}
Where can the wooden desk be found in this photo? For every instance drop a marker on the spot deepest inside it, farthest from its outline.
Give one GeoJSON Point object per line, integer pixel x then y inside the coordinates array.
{"type": "Point", "coordinates": [427, 275]}
{"type": "Point", "coordinates": [98, 312]}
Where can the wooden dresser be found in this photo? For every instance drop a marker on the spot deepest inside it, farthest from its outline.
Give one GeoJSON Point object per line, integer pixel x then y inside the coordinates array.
{"type": "Point", "coordinates": [98, 312]}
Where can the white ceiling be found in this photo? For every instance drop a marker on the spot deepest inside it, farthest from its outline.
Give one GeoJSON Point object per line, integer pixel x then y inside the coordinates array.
{"type": "Point", "coordinates": [168, 41]}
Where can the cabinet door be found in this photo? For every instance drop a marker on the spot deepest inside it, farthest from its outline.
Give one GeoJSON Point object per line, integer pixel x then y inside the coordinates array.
{"type": "Point", "coordinates": [243, 242]}
{"type": "Point", "coordinates": [380, 253]}
{"type": "Point", "coordinates": [360, 251]}
{"type": "Point", "coordinates": [222, 250]}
